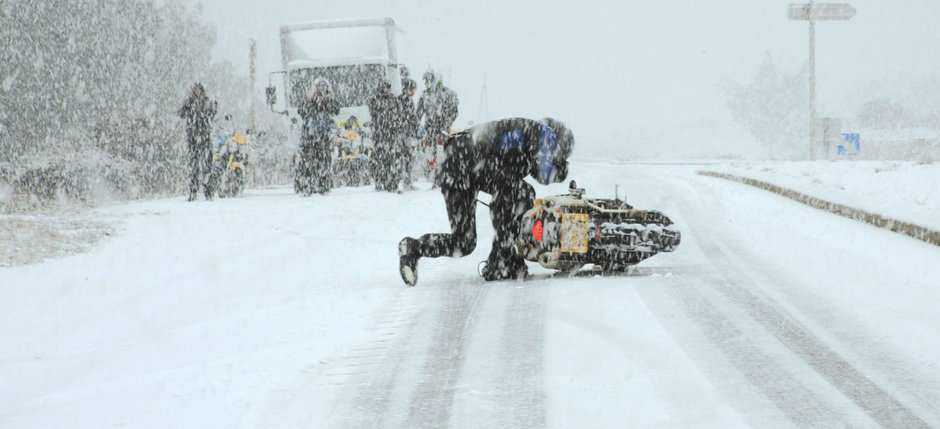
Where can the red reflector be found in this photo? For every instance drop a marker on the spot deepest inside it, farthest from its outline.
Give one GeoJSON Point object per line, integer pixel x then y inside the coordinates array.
{"type": "Point", "coordinates": [537, 231]}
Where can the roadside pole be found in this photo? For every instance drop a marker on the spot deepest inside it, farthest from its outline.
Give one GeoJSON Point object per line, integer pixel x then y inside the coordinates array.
{"type": "Point", "coordinates": [813, 12]}
{"type": "Point", "coordinates": [252, 57]}
{"type": "Point", "coordinates": [812, 84]}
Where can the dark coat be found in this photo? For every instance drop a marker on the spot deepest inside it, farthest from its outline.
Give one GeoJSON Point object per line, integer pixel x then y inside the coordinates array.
{"type": "Point", "coordinates": [410, 122]}
{"type": "Point", "coordinates": [393, 118]}
{"type": "Point", "coordinates": [489, 156]}
{"type": "Point", "coordinates": [438, 107]}
{"type": "Point", "coordinates": [317, 115]}
{"type": "Point", "coordinates": [198, 111]}
{"type": "Point", "coordinates": [385, 110]}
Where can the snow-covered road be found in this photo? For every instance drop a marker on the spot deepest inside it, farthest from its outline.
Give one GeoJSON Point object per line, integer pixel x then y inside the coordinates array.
{"type": "Point", "coordinates": [274, 310]}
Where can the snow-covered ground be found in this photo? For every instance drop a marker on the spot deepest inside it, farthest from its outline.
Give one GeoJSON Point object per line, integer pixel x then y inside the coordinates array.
{"type": "Point", "coordinates": [906, 191]}
{"type": "Point", "coordinates": [274, 310]}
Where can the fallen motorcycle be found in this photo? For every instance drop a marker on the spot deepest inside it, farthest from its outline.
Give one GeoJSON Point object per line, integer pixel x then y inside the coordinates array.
{"type": "Point", "coordinates": [566, 232]}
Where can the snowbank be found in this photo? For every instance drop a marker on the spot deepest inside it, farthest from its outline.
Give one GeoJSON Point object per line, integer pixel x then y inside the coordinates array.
{"type": "Point", "coordinates": [905, 191]}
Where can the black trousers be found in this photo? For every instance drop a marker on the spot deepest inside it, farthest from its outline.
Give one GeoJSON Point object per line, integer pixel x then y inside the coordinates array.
{"type": "Point", "coordinates": [200, 164]}
{"type": "Point", "coordinates": [388, 163]}
{"type": "Point", "coordinates": [510, 201]}
{"type": "Point", "coordinates": [315, 168]}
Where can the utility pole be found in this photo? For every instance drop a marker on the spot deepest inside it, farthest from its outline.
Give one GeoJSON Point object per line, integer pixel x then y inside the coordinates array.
{"type": "Point", "coordinates": [812, 83]}
{"type": "Point", "coordinates": [813, 12]}
{"type": "Point", "coordinates": [252, 58]}
{"type": "Point", "coordinates": [483, 111]}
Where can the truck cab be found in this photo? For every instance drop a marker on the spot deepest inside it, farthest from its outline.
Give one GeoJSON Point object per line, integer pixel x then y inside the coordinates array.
{"type": "Point", "coordinates": [354, 55]}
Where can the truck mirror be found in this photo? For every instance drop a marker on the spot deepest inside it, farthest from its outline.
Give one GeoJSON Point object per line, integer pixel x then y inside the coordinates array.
{"type": "Point", "coordinates": [270, 95]}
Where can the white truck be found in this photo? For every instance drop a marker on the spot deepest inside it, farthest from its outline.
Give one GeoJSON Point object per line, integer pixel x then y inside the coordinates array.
{"type": "Point", "coordinates": [353, 54]}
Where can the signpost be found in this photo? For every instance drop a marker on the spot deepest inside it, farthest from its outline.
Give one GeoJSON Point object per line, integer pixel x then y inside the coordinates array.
{"type": "Point", "coordinates": [821, 12]}
{"type": "Point", "coordinates": [813, 12]}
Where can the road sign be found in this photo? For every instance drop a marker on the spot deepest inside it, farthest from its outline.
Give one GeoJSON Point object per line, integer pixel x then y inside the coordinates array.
{"type": "Point", "coordinates": [821, 12]}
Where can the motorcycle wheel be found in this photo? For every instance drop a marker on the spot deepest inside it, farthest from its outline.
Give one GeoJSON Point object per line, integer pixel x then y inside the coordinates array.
{"type": "Point", "coordinates": [238, 183]}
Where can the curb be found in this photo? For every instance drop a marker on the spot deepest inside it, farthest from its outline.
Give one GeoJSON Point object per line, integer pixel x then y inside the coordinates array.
{"type": "Point", "coordinates": [901, 227]}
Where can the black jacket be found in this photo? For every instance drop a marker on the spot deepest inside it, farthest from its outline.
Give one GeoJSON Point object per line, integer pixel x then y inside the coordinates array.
{"type": "Point", "coordinates": [384, 109]}
{"type": "Point", "coordinates": [491, 155]}
{"type": "Point", "coordinates": [438, 107]}
{"type": "Point", "coordinates": [409, 116]}
{"type": "Point", "coordinates": [198, 111]}
{"type": "Point", "coordinates": [317, 115]}
{"type": "Point", "coordinates": [393, 118]}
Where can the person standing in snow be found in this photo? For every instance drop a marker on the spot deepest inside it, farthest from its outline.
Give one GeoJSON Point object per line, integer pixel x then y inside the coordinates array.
{"type": "Point", "coordinates": [316, 139]}
{"type": "Point", "coordinates": [494, 158]}
{"type": "Point", "coordinates": [384, 109]}
{"type": "Point", "coordinates": [437, 107]}
{"type": "Point", "coordinates": [198, 112]}
{"type": "Point", "coordinates": [409, 122]}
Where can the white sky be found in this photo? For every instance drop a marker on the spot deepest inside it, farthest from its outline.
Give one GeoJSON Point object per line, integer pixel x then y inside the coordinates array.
{"type": "Point", "coordinates": [596, 64]}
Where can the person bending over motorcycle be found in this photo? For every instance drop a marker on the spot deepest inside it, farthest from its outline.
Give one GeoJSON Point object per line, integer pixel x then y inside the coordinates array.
{"type": "Point", "coordinates": [316, 139]}
{"type": "Point", "coordinates": [494, 158]}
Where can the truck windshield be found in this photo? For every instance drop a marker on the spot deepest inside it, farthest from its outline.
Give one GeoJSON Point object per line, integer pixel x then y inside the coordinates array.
{"type": "Point", "coordinates": [352, 84]}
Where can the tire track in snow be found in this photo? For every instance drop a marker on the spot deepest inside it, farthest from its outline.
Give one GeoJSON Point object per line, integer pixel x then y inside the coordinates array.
{"type": "Point", "coordinates": [363, 384]}
{"type": "Point", "coordinates": [758, 366]}
{"type": "Point", "coordinates": [859, 389]}
{"type": "Point", "coordinates": [432, 401]}
{"type": "Point", "coordinates": [521, 398]}
{"type": "Point", "coordinates": [877, 403]}
{"type": "Point", "coordinates": [375, 398]}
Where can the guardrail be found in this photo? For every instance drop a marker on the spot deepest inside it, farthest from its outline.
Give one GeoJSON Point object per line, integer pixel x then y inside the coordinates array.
{"type": "Point", "coordinates": [901, 227]}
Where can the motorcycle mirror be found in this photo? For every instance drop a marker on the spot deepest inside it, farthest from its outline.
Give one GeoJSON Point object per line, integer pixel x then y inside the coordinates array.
{"type": "Point", "coordinates": [574, 190]}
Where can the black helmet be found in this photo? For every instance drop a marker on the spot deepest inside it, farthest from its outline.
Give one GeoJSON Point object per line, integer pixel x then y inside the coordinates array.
{"type": "Point", "coordinates": [554, 147]}
{"type": "Point", "coordinates": [432, 78]}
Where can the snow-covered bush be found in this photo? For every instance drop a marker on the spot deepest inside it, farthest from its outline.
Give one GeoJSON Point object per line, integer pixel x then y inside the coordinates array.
{"type": "Point", "coordinates": [90, 94]}
{"type": "Point", "coordinates": [773, 108]}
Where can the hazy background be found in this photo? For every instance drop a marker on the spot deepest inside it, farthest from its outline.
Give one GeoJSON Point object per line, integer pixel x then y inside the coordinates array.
{"type": "Point", "coordinates": [624, 75]}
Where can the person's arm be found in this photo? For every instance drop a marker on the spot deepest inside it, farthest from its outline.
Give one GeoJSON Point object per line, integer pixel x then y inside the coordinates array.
{"type": "Point", "coordinates": [333, 106]}
{"type": "Point", "coordinates": [419, 110]}
{"type": "Point", "coordinates": [186, 108]}
{"type": "Point", "coordinates": [450, 109]}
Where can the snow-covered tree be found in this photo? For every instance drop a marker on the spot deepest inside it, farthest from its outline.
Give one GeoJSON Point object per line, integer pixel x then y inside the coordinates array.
{"type": "Point", "coordinates": [773, 108]}
{"type": "Point", "coordinates": [90, 91]}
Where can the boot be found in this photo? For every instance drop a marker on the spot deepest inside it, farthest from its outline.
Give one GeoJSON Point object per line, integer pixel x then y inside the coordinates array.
{"type": "Point", "coordinates": [504, 269]}
{"type": "Point", "coordinates": [408, 255]}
